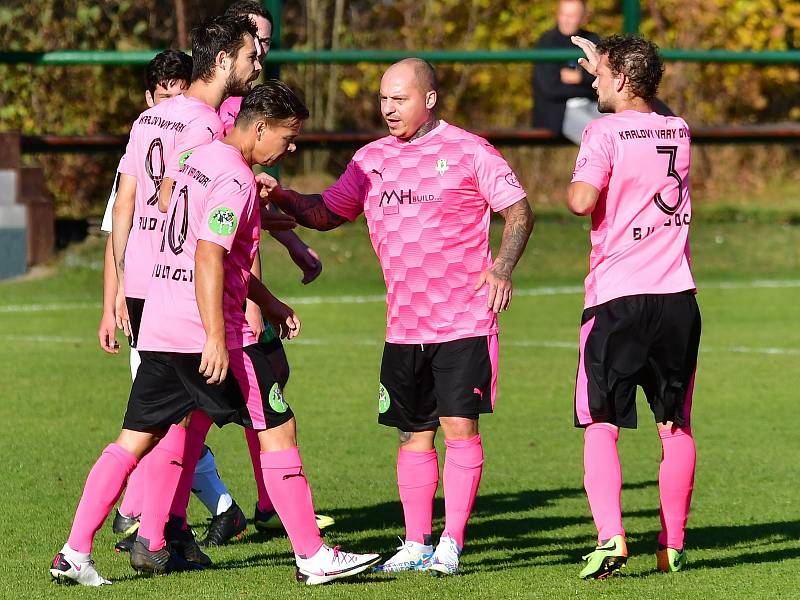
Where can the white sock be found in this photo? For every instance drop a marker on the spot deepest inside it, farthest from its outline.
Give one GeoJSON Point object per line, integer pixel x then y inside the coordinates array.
{"type": "Point", "coordinates": [74, 555]}
{"type": "Point", "coordinates": [208, 486]}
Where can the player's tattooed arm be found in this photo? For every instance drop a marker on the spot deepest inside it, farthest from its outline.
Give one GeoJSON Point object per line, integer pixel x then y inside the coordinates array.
{"type": "Point", "coordinates": [497, 278]}
{"type": "Point", "coordinates": [519, 225]}
{"type": "Point", "coordinates": [309, 209]}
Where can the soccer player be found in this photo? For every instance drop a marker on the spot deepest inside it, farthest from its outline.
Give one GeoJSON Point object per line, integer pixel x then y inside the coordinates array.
{"type": "Point", "coordinates": [228, 520]}
{"type": "Point", "coordinates": [641, 323]}
{"type": "Point", "coordinates": [194, 330]}
{"type": "Point", "coordinates": [224, 62]}
{"type": "Point", "coordinates": [427, 191]}
{"type": "Point", "coordinates": [167, 75]}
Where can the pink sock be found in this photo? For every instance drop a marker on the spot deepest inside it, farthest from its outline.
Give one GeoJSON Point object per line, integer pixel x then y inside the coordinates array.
{"type": "Point", "coordinates": [675, 483]}
{"type": "Point", "coordinates": [131, 505]}
{"type": "Point", "coordinates": [417, 480]}
{"type": "Point", "coordinates": [264, 502]}
{"type": "Point", "coordinates": [602, 478]}
{"type": "Point", "coordinates": [163, 472]}
{"type": "Point", "coordinates": [196, 434]}
{"type": "Point", "coordinates": [283, 475]}
{"type": "Point", "coordinates": [463, 465]}
{"type": "Point", "coordinates": [102, 489]}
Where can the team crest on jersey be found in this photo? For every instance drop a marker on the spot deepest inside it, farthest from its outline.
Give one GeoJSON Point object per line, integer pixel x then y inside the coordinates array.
{"type": "Point", "coordinates": [441, 166]}
{"type": "Point", "coordinates": [183, 157]}
{"type": "Point", "coordinates": [383, 399]}
{"type": "Point", "coordinates": [222, 221]}
{"type": "Point", "coordinates": [276, 400]}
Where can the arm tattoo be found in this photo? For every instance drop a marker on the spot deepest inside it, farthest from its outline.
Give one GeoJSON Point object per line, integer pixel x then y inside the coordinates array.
{"type": "Point", "coordinates": [426, 127]}
{"type": "Point", "coordinates": [309, 210]}
{"type": "Point", "coordinates": [519, 225]}
{"type": "Point", "coordinates": [122, 264]}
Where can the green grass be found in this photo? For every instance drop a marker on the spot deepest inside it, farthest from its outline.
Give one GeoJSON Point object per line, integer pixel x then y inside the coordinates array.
{"type": "Point", "coordinates": [62, 400]}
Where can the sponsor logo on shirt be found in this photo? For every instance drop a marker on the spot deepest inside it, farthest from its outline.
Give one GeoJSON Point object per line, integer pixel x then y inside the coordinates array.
{"type": "Point", "coordinates": [391, 199]}
{"type": "Point", "coordinates": [222, 221]}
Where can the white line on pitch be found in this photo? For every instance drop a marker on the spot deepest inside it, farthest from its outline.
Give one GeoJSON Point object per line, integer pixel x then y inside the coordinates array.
{"type": "Point", "coordinates": [376, 342]}
{"type": "Point", "coordinates": [375, 298]}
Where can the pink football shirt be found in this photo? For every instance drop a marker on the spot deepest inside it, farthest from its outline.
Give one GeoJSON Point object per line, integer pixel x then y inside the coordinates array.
{"type": "Point", "coordinates": [214, 200]}
{"type": "Point", "coordinates": [228, 110]}
{"type": "Point", "coordinates": [158, 137]}
{"type": "Point", "coordinates": [640, 226]}
{"type": "Point", "coordinates": [427, 203]}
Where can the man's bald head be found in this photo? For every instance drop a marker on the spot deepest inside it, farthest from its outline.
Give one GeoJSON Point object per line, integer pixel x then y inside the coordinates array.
{"type": "Point", "coordinates": [408, 96]}
{"type": "Point", "coordinates": [423, 73]}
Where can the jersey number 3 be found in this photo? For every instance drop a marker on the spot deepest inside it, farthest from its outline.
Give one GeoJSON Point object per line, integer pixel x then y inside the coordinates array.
{"type": "Point", "coordinates": [672, 152]}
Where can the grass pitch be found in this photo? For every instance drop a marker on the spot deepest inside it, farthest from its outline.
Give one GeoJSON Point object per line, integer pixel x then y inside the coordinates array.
{"type": "Point", "coordinates": [62, 400]}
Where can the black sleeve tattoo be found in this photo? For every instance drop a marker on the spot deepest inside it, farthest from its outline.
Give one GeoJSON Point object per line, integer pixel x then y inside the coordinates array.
{"type": "Point", "coordinates": [309, 210]}
{"type": "Point", "coordinates": [519, 225]}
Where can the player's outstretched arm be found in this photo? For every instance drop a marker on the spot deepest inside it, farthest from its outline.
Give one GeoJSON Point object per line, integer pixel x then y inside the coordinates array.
{"type": "Point", "coordinates": [582, 198]}
{"type": "Point", "coordinates": [107, 332]}
{"type": "Point", "coordinates": [310, 210]}
{"type": "Point", "coordinates": [209, 273]}
{"type": "Point", "coordinates": [519, 225]}
{"type": "Point", "coordinates": [121, 224]}
{"type": "Point", "coordinates": [275, 311]}
{"type": "Point", "coordinates": [303, 256]}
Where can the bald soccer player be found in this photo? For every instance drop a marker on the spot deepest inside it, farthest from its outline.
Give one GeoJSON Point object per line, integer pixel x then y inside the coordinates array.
{"type": "Point", "coordinates": [428, 190]}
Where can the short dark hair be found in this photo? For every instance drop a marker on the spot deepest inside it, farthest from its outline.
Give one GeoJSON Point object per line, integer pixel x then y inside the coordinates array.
{"type": "Point", "coordinates": [167, 66]}
{"type": "Point", "coordinates": [636, 58]}
{"type": "Point", "coordinates": [243, 8]}
{"type": "Point", "coordinates": [215, 35]}
{"type": "Point", "coordinates": [273, 101]}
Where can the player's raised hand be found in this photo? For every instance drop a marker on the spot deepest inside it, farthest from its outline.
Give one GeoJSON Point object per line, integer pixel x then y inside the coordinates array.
{"type": "Point", "coordinates": [214, 360]}
{"type": "Point", "coordinates": [107, 333]}
{"type": "Point", "coordinates": [590, 50]}
{"type": "Point", "coordinates": [275, 220]}
{"type": "Point", "coordinates": [121, 309]}
{"type": "Point", "coordinates": [265, 184]}
{"type": "Point", "coordinates": [500, 289]}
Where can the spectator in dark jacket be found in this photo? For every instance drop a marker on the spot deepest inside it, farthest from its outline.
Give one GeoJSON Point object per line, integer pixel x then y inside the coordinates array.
{"type": "Point", "coordinates": [564, 101]}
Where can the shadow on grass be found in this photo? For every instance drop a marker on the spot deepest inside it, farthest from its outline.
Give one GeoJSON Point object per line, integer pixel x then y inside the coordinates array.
{"type": "Point", "coordinates": [506, 533]}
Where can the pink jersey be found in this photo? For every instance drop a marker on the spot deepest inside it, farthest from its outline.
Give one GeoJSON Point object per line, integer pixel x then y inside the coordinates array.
{"type": "Point", "coordinates": [228, 110]}
{"type": "Point", "coordinates": [158, 137]}
{"type": "Point", "coordinates": [214, 200]}
{"type": "Point", "coordinates": [427, 204]}
{"type": "Point", "coordinates": [640, 226]}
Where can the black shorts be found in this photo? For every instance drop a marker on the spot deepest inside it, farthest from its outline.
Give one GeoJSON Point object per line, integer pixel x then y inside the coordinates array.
{"type": "Point", "coordinates": [648, 340]}
{"type": "Point", "coordinates": [135, 308]}
{"type": "Point", "coordinates": [420, 383]}
{"type": "Point", "coordinates": [168, 386]}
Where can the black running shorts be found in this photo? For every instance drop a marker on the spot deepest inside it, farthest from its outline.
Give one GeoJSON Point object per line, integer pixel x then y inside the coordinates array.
{"type": "Point", "coordinates": [422, 382]}
{"type": "Point", "coordinates": [648, 340]}
{"type": "Point", "coordinates": [169, 385]}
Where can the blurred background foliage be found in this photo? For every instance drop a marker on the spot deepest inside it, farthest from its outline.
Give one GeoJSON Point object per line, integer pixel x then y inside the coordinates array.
{"type": "Point", "coordinates": [88, 99]}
